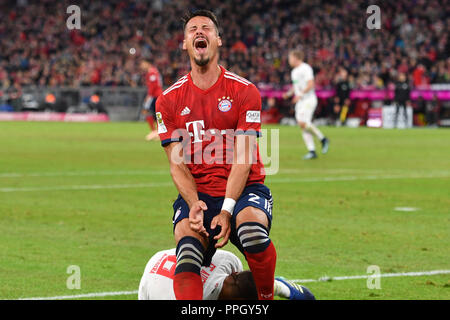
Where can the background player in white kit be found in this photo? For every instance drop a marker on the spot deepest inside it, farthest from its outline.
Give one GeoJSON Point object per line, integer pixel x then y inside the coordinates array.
{"type": "Point", "coordinates": [305, 100]}
{"type": "Point", "coordinates": [224, 279]}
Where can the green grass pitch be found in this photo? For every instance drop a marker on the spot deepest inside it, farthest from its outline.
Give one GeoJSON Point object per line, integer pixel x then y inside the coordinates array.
{"type": "Point", "coordinates": [99, 197]}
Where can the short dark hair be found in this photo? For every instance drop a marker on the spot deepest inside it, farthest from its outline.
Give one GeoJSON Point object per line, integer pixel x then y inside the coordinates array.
{"type": "Point", "coordinates": [200, 13]}
{"type": "Point", "coordinates": [246, 288]}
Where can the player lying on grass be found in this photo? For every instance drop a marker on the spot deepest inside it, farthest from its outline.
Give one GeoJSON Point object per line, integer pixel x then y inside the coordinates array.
{"type": "Point", "coordinates": [224, 279]}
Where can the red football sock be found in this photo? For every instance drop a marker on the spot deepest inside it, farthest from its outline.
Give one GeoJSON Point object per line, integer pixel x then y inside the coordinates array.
{"type": "Point", "coordinates": [150, 122]}
{"type": "Point", "coordinates": [188, 286]}
{"type": "Point", "coordinates": [262, 265]}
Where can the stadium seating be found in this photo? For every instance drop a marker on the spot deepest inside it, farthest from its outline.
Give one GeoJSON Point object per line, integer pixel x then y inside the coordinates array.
{"type": "Point", "coordinates": [38, 48]}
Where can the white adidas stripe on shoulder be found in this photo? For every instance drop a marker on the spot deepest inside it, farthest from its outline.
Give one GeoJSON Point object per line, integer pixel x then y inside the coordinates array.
{"type": "Point", "coordinates": [176, 85]}
{"type": "Point", "coordinates": [179, 81]}
{"type": "Point", "coordinates": [236, 76]}
{"type": "Point", "coordinates": [236, 79]}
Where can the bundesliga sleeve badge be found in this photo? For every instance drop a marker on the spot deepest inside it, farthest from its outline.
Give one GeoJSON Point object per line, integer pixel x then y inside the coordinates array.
{"type": "Point", "coordinates": [161, 126]}
{"type": "Point", "coordinates": [224, 104]}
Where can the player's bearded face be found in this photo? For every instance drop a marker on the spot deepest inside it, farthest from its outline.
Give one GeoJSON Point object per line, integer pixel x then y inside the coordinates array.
{"type": "Point", "coordinates": [201, 40]}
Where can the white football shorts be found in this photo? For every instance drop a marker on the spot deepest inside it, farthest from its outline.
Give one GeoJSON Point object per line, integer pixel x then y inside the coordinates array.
{"type": "Point", "coordinates": [304, 109]}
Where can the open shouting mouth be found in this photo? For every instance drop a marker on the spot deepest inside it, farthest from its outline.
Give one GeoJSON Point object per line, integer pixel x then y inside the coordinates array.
{"type": "Point", "coordinates": [201, 45]}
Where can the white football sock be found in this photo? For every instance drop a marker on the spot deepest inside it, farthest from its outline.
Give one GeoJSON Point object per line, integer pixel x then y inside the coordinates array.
{"type": "Point", "coordinates": [311, 127]}
{"type": "Point", "coordinates": [309, 140]}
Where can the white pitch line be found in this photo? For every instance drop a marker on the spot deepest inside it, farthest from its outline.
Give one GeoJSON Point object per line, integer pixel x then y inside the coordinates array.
{"type": "Point", "coordinates": [382, 275]}
{"type": "Point", "coordinates": [168, 183]}
{"type": "Point", "coordinates": [406, 209]}
{"type": "Point", "coordinates": [122, 293]}
{"type": "Point", "coordinates": [82, 173]}
{"type": "Point", "coordinates": [356, 178]}
{"type": "Point", "coordinates": [87, 295]}
{"type": "Point", "coordinates": [89, 187]}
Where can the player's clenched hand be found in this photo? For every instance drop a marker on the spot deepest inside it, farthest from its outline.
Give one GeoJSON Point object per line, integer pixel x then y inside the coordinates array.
{"type": "Point", "coordinates": [196, 217]}
{"type": "Point", "coordinates": [222, 220]}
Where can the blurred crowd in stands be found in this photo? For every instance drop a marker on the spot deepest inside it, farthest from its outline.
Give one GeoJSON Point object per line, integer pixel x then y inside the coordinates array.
{"type": "Point", "coordinates": [37, 48]}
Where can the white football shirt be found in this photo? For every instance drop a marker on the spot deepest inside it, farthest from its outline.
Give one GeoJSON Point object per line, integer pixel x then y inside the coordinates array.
{"type": "Point", "coordinates": [157, 280]}
{"type": "Point", "coordinates": [300, 76]}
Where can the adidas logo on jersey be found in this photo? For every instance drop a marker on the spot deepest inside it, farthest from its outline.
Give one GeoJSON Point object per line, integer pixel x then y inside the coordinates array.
{"type": "Point", "coordinates": [185, 111]}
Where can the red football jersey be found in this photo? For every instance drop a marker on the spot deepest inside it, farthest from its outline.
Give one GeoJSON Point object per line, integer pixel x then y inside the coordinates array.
{"type": "Point", "coordinates": [153, 82]}
{"type": "Point", "coordinates": [206, 121]}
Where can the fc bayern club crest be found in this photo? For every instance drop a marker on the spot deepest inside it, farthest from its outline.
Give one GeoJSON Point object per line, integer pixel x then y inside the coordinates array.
{"type": "Point", "coordinates": [225, 104]}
